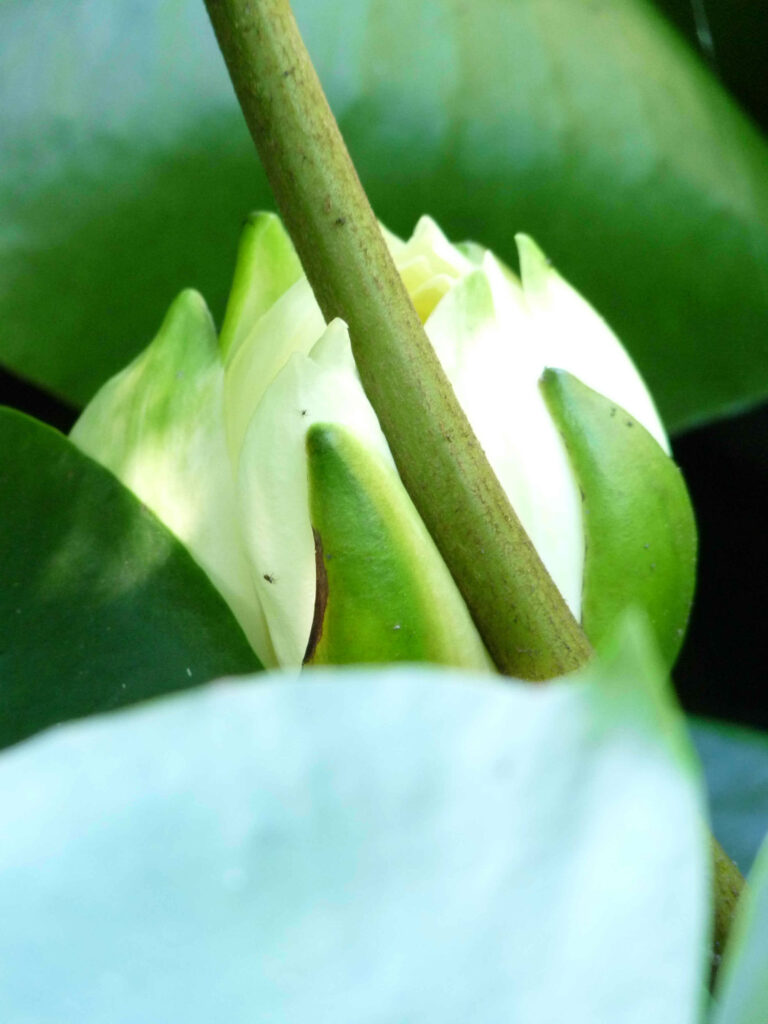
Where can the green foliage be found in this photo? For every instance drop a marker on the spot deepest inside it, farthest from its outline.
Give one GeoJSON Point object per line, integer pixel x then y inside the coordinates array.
{"type": "Point", "coordinates": [730, 34]}
{"type": "Point", "coordinates": [382, 845]}
{"type": "Point", "coordinates": [128, 169]}
{"type": "Point", "coordinates": [100, 605]}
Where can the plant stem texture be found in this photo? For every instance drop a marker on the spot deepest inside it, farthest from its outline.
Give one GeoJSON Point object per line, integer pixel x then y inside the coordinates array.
{"type": "Point", "coordinates": [526, 625]}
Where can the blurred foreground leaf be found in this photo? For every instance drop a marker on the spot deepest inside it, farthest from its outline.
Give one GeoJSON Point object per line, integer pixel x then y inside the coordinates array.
{"type": "Point", "coordinates": [381, 845]}
{"type": "Point", "coordinates": [100, 605]}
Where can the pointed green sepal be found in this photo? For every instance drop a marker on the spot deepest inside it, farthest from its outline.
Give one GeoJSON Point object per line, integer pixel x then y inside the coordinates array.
{"type": "Point", "coordinates": [384, 593]}
{"type": "Point", "coordinates": [639, 529]}
{"type": "Point", "coordinates": [267, 266]}
{"type": "Point", "coordinates": [140, 421]}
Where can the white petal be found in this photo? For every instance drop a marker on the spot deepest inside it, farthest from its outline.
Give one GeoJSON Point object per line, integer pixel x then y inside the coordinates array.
{"type": "Point", "coordinates": [429, 242]}
{"type": "Point", "coordinates": [481, 332]}
{"type": "Point", "coordinates": [573, 336]}
{"type": "Point", "coordinates": [273, 487]}
{"type": "Point", "coordinates": [293, 324]}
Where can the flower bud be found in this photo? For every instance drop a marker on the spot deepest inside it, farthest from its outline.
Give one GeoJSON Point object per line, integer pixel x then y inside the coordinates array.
{"type": "Point", "coordinates": [263, 454]}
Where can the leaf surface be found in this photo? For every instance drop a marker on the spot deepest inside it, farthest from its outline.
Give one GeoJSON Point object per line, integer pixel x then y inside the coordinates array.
{"type": "Point", "coordinates": [100, 605]}
{"type": "Point", "coordinates": [591, 126]}
{"type": "Point", "coordinates": [386, 845]}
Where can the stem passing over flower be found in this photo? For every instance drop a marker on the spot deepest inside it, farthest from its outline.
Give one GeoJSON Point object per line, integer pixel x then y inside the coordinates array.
{"type": "Point", "coordinates": [525, 623]}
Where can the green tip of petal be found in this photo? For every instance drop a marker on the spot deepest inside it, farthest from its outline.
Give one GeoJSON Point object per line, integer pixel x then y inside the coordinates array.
{"type": "Point", "coordinates": [157, 425]}
{"type": "Point", "coordinates": [151, 394]}
{"type": "Point", "coordinates": [187, 333]}
{"type": "Point", "coordinates": [267, 265]}
{"type": "Point", "coordinates": [535, 266]}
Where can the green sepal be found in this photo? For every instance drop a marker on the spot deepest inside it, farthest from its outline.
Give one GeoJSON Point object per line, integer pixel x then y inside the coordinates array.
{"type": "Point", "coordinates": [639, 528]}
{"type": "Point", "coordinates": [267, 266]}
{"type": "Point", "coordinates": [384, 592]}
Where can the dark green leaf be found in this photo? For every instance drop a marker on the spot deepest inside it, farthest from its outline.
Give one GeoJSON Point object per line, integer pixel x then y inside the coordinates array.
{"type": "Point", "coordinates": [100, 605]}
{"type": "Point", "coordinates": [589, 125]}
{"type": "Point", "coordinates": [730, 35]}
{"type": "Point", "coordinates": [381, 846]}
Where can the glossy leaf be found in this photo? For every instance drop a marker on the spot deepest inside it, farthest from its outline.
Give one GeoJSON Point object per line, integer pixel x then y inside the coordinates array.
{"type": "Point", "coordinates": [100, 605]}
{"type": "Point", "coordinates": [639, 530]}
{"type": "Point", "coordinates": [382, 845]}
{"type": "Point", "coordinates": [593, 127]}
{"type": "Point", "coordinates": [385, 593]}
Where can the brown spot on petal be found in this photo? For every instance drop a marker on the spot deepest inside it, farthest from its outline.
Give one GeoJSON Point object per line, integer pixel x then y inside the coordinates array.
{"type": "Point", "coordinates": [321, 599]}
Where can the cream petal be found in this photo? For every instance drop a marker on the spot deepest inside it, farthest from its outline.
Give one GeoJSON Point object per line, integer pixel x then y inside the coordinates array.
{"type": "Point", "coordinates": [292, 324]}
{"type": "Point", "coordinates": [572, 336]}
{"type": "Point", "coordinates": [273, 494]}
{"type": "Point", "coordinates": [429, 242]}
{"type": "Point", "coordinates": [482, 335]}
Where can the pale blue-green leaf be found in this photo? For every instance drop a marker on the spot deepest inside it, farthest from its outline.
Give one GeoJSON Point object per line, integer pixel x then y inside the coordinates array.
{"type": "Point", "coordinates": [366, 846]}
